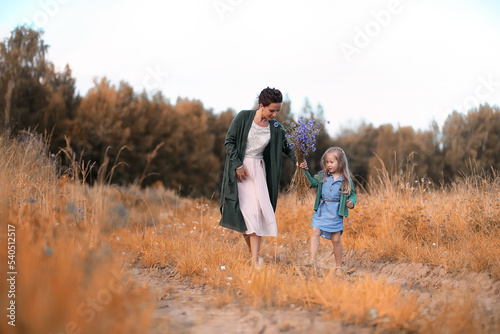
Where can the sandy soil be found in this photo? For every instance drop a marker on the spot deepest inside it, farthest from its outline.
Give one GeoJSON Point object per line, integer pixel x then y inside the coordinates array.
{"type": "Point", "coordinates": [183, 307]}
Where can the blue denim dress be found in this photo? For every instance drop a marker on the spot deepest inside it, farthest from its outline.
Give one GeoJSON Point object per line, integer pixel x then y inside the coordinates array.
{"type": "Point", "coordinates": [327, 217]}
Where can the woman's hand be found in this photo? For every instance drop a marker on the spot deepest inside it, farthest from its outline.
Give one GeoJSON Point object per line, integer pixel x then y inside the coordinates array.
{"type": "Point", "coordinates": [350, 204]}
{"type": "Point", "coordinates": [303, 165]}
{"type": "Point", "coordinates": [241, 174]}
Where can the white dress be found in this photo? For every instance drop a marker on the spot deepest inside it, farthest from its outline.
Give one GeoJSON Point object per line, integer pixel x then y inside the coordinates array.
{"type": "Point", "coordinates": [255, 204]}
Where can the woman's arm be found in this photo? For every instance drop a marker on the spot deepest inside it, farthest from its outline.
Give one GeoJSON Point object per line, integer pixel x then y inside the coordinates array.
{"type": "Point", "coordinates": [231, 142]}
{"type": "Point", "coordinates": [286, 148]}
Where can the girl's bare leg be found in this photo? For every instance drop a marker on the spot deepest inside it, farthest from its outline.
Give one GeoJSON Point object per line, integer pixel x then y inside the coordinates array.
{"type": "Point", "coordinates": [337, 248]}
{"type": "Point", "coordinates": [314, 243]}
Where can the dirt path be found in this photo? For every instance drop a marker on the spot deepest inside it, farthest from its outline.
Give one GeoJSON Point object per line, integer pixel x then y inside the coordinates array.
{"type": "Point", "coordinates": [183, 307]}
{"type": "Point", "coordinates": [433, 280]}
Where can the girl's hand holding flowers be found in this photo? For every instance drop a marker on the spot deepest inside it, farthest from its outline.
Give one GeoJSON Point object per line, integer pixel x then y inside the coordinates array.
{"type": "Point", "coordinates": [303, 165]}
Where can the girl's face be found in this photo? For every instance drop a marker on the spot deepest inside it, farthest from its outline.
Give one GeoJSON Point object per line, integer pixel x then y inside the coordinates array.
{"type": "Point", "coordinates": [331, 163]}
{"type": "Point", "coordinates": [270, 111]}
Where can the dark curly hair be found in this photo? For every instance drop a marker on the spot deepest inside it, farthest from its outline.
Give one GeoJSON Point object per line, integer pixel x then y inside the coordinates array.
{"type": "Point", "coordinates": [270, 95]}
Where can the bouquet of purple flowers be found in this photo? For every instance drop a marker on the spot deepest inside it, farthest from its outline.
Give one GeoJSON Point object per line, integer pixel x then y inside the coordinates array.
{"type": "Point", "coordinates": [302, 138]}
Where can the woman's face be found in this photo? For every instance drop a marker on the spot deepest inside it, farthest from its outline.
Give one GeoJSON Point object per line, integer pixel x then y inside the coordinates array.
{"type": "Point", "coordinates": [270, 111]}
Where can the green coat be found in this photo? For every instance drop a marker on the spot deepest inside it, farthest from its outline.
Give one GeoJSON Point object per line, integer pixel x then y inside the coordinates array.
{"type": "Point", "coordinates": [235, 143]}
{"type": "Point", "coordinates": [343, 209]}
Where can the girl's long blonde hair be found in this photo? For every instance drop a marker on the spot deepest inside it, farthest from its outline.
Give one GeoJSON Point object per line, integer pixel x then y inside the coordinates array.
{"type": "Point", "coordinates": [343, 165]}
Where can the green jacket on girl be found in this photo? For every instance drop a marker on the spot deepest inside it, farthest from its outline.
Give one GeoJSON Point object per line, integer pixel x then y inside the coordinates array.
{"type": "Point", "coordinates": [235, 143]}
{"type": "Point", "coordinates": [343, 209]}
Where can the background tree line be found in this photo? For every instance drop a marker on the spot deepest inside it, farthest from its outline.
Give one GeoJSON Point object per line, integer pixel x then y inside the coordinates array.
{"type": "Point", "coordinates": [181, 143]}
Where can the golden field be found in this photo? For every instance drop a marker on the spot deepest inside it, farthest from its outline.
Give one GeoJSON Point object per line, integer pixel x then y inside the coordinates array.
{"type": "Point", "coordinates": [421, 257]}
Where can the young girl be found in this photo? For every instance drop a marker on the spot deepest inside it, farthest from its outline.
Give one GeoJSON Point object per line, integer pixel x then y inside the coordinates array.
{"type": "Point", "coordinates": [334, 198]}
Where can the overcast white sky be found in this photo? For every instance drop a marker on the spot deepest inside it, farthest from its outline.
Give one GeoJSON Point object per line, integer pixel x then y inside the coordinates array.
{"type": "Point", "coordinates": [405, 62]}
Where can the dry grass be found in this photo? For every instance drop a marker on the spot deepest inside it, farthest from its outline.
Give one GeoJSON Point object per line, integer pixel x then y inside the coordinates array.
{"type": "Point", "coordinates": [192, 242]}
{"type": "Point", "coordinates": [406, 219]}
{"type": "Point", "coordinates": [418, 223]}
{"type": "Point", "coordinates": [69, 278]}
{"type": "Point", "coordinates": [74, 241]}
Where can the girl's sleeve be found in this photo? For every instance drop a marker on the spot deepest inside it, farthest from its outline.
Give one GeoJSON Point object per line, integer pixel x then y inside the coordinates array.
{"type": "Point", "coordinates": [314, 181]}
{"type": "Point", "coordinates": [231, 141]}
{"type": "Point", "coordinates": [352, 195]}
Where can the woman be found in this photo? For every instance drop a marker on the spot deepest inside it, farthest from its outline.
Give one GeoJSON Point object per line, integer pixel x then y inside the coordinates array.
{"type": "Point", "coordinates": [254, 145]}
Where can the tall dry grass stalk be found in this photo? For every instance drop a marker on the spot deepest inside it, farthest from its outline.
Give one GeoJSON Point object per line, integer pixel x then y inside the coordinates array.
{"type": "Point", "coordinates": [69, 276]}
{"type": "Point", "coordinates": [404, 218]}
